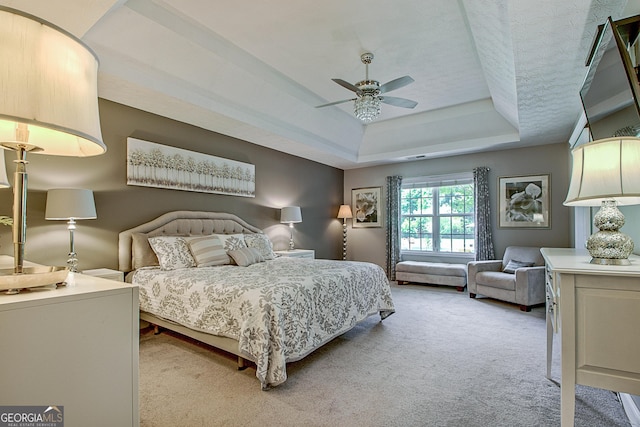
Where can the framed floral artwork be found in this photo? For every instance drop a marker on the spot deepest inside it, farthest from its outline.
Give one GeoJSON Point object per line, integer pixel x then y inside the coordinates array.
{"type": "Point", "coordinates": [366, 207]}
{"type": "Point", "coordinates": [524, 201]}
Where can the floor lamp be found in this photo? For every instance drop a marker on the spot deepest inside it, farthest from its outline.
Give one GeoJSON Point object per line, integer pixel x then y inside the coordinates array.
{"type": "Point", "coordinates": [344, 213]}
{"type": "Point", "coordinates": [48, 105]}
{"type": "Point", "coordinates": [70, 204]}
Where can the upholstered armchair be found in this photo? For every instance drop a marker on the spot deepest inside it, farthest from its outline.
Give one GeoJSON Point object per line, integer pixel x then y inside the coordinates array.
{"type": "Point", "coordinates": [518, 278]}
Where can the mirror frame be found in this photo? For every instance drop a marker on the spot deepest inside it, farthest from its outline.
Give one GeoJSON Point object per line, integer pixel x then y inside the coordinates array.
{"type": "Point", "coordinates": [618, 28]}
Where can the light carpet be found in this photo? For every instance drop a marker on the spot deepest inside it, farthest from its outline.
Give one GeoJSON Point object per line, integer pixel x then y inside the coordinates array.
{"type": "Point", "coordinates": [442, 359]}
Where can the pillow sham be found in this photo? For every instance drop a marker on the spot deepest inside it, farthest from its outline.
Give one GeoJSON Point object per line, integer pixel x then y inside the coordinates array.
{"type": "Point", "coordinates": [262, 243]}
{"type": "Point", "coordinates": [245, 257]}
{"type": "Point", "coordinates": [141, 253]}
{"type": "Point", "coordinates": [172, 252]}
{"type": "Point", "coordinates": [208, 251]}
{"type": "Point", "coordinates": [231, 242]}
{"type": "Point", "coordinates": [513, 265]}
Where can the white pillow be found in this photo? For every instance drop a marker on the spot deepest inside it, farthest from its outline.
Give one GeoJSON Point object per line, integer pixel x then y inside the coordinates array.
{"type": "Point", "coordinates": [208, 251]}
{"type": "Point", "coordinates": [172, 252]}
{"type": "Point", "coordinates": [262, 243]}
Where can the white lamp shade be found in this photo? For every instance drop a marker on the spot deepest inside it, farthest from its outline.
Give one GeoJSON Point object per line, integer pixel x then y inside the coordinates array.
{"type": "Point", "coordinates": [70, 203]}
{"type": "Point", "coordinates": [291, 214]}
{"type": "Point", "coordinates": [48, 81]}
{"type": "Point", "coordinates": [606, 169]}
{"type": "Point", "coordinates": [345, 212]}
{"type": "Point", "coordinates": [4, 181]}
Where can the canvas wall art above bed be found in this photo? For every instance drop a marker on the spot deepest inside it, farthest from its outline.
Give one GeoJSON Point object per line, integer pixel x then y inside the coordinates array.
{"type": "Point", "coordinates": [215, 278]}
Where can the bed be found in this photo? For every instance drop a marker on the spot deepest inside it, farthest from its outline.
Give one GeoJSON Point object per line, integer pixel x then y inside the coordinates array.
{"type": "Point", "coordinates": [215, 278]}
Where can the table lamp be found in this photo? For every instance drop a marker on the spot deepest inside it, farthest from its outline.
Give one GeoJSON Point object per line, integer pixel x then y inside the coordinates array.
{"type": "Point", "coordinates": [290, 215]}
{"type": "Point", "coordinates": [605, 173]}
{"type": "Point", "coordinates": [48, 105]}
{"type": "Point", "coordinates": [70, 204]}
{"type": "Point", "coordinates": [343, 213]}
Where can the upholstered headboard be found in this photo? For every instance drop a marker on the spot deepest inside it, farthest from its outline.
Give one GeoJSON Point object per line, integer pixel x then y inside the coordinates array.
{"type": "Point", "coordinates": [184, 223]}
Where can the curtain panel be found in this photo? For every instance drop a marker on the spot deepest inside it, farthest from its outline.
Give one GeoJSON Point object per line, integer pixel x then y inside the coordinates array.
{"type": "Point", "coordinates": [392, 224]}
{"type": "Point", "coordinates": [484, 241]}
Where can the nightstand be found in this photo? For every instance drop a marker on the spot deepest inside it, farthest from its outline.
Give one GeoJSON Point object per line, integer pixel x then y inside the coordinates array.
{"type": "Point", "coordinates": [105, 273]}
{"type": "Point", "coordinates": [297, 253]}
{"type": "Point", "coordinates": [86, 356]}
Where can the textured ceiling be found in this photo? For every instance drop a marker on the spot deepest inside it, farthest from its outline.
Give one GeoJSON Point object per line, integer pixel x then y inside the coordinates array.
{"type": "Point", "coordinates": [488, 75]}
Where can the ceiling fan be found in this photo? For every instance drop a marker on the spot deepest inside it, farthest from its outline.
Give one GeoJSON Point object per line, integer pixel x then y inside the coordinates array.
{"type": "Point", "coordinates": [369, 93]}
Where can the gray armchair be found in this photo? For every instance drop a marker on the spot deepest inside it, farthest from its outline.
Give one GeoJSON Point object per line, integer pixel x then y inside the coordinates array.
{"type": "Point", "coordinates": [522, 283]}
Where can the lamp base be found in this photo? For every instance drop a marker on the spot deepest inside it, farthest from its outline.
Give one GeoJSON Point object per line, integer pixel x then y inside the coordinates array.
{"type": "Point", "coordinates": [609, 246]}
{"type": "Point", "coordinates": [610, 261]}
{"type": "Point", "coordinates": [344, 241]}
{"type": "Point", "coordinates": [72, 262]}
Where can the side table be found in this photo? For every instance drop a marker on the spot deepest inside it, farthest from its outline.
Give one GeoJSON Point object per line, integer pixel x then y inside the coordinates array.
{"type": "Point", "coordinates": [297, 253]}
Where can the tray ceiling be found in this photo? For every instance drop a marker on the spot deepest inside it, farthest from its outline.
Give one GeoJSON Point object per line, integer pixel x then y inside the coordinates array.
{"type": "Point", "coordinates": [488, 75]}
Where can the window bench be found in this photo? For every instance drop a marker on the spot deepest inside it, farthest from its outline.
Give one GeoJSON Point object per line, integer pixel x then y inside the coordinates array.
{"type": "Point", "coordinates": [435, 273]}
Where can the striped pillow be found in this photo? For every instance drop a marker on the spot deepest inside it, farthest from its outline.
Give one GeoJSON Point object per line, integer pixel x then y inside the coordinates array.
{"type": "Point", "coordinates": [208, 251]}
{"type": "Point", "coordinates": [244, 257]}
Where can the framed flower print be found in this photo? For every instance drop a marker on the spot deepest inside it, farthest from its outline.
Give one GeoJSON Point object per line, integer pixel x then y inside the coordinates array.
{"type": "Point", "coordinates": [524, 202]}
{"type": "Point", "coordinates": [366, 207]}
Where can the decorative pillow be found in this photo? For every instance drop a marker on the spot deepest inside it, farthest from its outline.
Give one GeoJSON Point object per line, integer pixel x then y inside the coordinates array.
{"type": "Point", "coordinates": [244, 257]}
{"type": "Point", "coordinates": [141, 253]}
{"type": "Point", "coordinates": [231, 242]}
{"type": "Point", "coordinates": [513, 265]}
{"type": "Point", "coordinates": [208, 251]}
{"type": "Point", "coordinates": [262, 243]}
{"type": "Point", "coordinates": [172, 252]}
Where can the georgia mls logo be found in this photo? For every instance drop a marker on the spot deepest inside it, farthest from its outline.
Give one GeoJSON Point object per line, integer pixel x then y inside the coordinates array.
{"type": "Point", "coordinates": [31, 416]}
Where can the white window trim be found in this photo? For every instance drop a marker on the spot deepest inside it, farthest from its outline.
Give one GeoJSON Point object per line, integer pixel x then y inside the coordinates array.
{"type": "Point", "coordinates": [437, 181]}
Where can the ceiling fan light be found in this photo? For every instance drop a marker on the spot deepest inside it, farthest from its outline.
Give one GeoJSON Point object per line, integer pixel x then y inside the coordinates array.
{"type": "Point", "coordinates": [367, 107]}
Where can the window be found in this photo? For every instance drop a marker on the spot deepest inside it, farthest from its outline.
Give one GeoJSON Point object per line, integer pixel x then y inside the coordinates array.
{"type": "Point", "coordinates": [437, 214]}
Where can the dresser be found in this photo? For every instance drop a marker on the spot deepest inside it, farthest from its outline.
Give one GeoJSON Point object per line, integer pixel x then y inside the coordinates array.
{"type": "Point", "coordinates": [75, 347]}
{"type": "Point", "coordinates": [596, 311]}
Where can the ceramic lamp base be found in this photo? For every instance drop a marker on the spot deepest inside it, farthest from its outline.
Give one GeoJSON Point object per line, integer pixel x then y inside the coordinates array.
{"type": "Point", "coordinates": [609, 246]}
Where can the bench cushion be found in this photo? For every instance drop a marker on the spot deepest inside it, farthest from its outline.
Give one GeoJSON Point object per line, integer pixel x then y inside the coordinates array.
{"type": "Point", "coordinates": [434, 268]}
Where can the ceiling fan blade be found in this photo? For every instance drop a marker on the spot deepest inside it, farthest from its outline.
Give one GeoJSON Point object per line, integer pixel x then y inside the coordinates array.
{"type": "Point", "coordinates": [334, 103]}
{"type": "Point", "coordinates": [398, 102]}
{"type": "Point", "coordinates": [348, 85]}
{"type": "Point", "coordinates": [396, 84]}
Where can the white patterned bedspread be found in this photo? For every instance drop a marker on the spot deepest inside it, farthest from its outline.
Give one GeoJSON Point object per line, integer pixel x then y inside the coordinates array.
{"type": "Point", "coordinates": [279, 310]}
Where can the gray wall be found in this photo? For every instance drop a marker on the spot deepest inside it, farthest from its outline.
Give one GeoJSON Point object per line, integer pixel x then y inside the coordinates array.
{"type": "Point", "coordinates": [281, 180]}
{"type": "Point", "coordinates": [632, 225]}
{"type": "Point", "coordinates": [368, 244]}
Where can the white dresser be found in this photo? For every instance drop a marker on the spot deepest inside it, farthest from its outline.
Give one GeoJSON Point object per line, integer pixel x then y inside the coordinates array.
{"type": "Point", "coordinates": [297, 253]}
{"type": "Point", "coordinates": [596, 311]}
{"type": "Point", "coordinates": [76, 347]}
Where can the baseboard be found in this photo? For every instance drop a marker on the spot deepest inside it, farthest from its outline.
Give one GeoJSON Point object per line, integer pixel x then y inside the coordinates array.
{"type": "Point", "coordinates": [631, 408]}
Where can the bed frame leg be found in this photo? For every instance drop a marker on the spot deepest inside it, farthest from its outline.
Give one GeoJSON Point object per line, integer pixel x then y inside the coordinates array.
{"type": "Point", "coordinates": [156, 330]}
{"type": "Point", "coordinates": [242, 364]}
